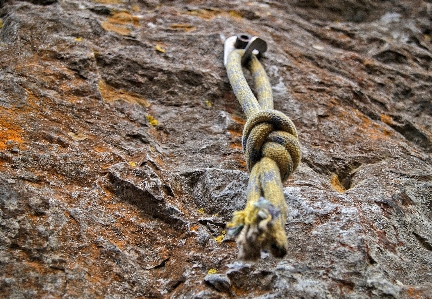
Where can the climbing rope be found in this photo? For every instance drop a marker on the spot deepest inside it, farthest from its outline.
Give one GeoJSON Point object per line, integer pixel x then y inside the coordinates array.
{"type": "Point", "coordinates": [272, 152]}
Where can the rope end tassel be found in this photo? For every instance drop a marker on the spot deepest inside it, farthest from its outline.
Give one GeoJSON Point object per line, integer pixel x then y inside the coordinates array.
{"type": "Point", "coordinates": [272, 152]}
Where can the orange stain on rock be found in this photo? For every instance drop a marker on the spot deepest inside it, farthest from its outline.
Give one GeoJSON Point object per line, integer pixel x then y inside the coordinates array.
{"type": "Point", "coordinates": [336, 184]}
{"type": "Point", "coordinates": [120, 22]}
{"type": "Point", "coordinates": [182, 27]}
{"type": "Point", "coordinates": [236, 146]}
{"type": "Point", "coordinates": [123, 18]}
{"type": "Point", "coordinates": [36, 266]}
{"type": "Point", "coordinates": [100, 149]}
{"type": "Point", "coordinates": [10, 133]}
{"type": "Point", "coordinates": [370, 129]}
{"type": "Point", "coordinates": [116, 28]}
{"type": "Point", "coordinates": [194, 228]}
{"type": "Point", "coordinates": [206, 14]}
{"type": "Point", "coordinates": [234, 133]}
{"type": "Point", "coordinates": [111, 94]}
{"type": "Point", "coordinates": [209, 14]}
{"type": "Point", "coordinates": [387, 119]}
{"type": "Point", "coordinates": [238, 119]}
{"type": "Point", "coordinates": [109, 1]}
{"type": "Point", "coordinates": [52, 72]}
{"type": "Point", "coordinates": [415, 294]}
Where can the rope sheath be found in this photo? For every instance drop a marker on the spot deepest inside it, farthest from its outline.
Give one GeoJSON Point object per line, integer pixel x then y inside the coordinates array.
{"type": "Point", "coordinates": [272, 152]}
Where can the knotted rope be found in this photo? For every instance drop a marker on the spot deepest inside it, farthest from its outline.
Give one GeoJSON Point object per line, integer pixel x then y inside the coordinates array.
{"type": "Point", "coordinates": [272, 151]}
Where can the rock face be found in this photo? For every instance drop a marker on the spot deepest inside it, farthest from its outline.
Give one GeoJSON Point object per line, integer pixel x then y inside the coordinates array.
{"type": "Point", "coordinates": [121, 160]}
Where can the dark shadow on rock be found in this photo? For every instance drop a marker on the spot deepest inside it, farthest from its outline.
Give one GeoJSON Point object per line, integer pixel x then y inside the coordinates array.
{"type": "Point", "coordinates": [41, 2]}
{"type": "Point", "coordinates": [411, 132]}
{"type": "Point", "coordinates": [391, 56]}
{"type": "Point", "coordinates": [424, 242]}
{"type": "Point", "coordinates": [142, 187]}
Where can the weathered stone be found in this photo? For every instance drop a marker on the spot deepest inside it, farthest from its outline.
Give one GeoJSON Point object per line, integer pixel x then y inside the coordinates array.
{"type": "Point", "coordinates": [121, 158]}
{"type": "Point", "coordinates": [220, 282]}
{"type": "Point", "coordinates": [217, 191]}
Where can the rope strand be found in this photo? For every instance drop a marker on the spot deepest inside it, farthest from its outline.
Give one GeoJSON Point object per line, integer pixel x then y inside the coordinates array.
{"type": "Point", "coordinates": [272, 152]}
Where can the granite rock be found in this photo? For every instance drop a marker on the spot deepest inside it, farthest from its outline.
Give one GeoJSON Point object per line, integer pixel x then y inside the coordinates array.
{"type": "Point", "coordinates": [121, 159]}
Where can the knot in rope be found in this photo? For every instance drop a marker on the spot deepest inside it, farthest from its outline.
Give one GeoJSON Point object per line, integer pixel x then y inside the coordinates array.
{"type": "Point", "coordinates": [270, 133]}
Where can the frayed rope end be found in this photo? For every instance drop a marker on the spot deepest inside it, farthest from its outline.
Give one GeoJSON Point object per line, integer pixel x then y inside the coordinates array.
{"type": "Point", "coordinates": [257, 228]}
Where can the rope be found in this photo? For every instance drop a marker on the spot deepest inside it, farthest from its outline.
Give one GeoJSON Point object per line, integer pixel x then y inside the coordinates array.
{"type": "Point", "coordinates": [272, 152]}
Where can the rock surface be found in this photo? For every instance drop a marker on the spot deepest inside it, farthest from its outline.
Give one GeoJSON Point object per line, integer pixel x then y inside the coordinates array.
{"type": "Point", "coordinates": [121, 162]}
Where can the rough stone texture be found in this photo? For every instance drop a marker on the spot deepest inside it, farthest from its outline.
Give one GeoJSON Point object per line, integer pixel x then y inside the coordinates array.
{"type": "Point", "coordinates": [120, 155]}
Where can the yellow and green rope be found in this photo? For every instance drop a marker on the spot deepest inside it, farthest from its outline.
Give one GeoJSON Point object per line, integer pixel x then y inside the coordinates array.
{"type": "Point", "coordinates": [272, 152]}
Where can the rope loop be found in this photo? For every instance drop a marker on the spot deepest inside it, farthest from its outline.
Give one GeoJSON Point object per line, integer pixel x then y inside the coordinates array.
{"type": "Point", "coordinates": [270, 133]}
